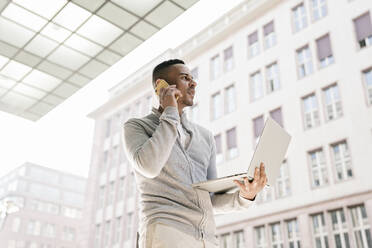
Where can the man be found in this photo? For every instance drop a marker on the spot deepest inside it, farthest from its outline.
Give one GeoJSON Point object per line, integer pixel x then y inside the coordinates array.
{"type": "Point", "coordinates": [169, 153]}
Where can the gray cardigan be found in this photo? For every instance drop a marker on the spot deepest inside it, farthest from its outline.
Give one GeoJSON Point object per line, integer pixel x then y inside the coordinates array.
{"type": "Point", "coordinates": [165, 170]}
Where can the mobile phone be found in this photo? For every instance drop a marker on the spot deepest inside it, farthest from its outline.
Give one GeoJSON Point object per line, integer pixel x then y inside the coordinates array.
{"type": "Point", "coordinates": [162, 84]}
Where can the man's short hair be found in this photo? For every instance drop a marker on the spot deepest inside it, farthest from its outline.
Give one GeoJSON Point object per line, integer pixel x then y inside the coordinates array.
{"type": "Point", "coordinates": [160, 70]}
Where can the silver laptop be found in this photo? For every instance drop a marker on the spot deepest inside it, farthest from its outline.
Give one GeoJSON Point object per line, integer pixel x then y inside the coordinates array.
{"type": "Point", "coordinates": [271, 149]}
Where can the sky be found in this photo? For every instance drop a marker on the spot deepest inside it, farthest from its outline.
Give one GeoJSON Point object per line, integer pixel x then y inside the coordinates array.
{"type": "Point", "coordinates": [62, 139]}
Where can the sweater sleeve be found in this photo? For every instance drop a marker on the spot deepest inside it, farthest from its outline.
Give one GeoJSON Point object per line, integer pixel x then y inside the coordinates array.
{"type": "Point", "coordinates": [226, 202]}
{"type": "Point", "coordinates": [149, 154]}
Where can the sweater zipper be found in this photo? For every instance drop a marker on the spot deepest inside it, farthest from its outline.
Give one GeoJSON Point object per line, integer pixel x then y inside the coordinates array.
{"type": "Point", "coordinates": [201, 233]}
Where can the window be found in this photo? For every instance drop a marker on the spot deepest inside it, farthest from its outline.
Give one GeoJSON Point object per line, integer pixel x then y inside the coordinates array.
{"type": "Point", "coordinates": [97, 236]}
{"type": "Point", "coordinates": [299, 17]}
{"type": "Point", "coordinates": [49, 230]}
{"type": "Point", "coordinates": [260, 235]}
{"type": "Point", "coordinates": [363, 29]}
{"type": "Point", "coordinates": [30, 227]}
{"type": "Point", "coordinates": [253, 45]}
{"type": "Point", "coordinates": [318, 9]}
{"type": "Point", "coordinates": [195, 73]}
{"type": "Point", "coordinates": [239, 239]}
{"type": "Point", "coordinates": [105, 161]}
{"type": "Point", "coordinates": [333, 108]}
{"type": "Point", "coordinates": [111, 192]}
{"type": "Point", "coordinates": [101, 197]}
{"type": "Point", "coordinates": [256, 86]}
{"type": "Point", "coordinates": [340, 228]}
{"type": "Point", "coordinates": [342, 161]}
{"type": "Point", "coordinates": [361, 228]}
{"type": "Point", "coordinates": [72, 212]}
{"type": "Point", "coordinates": [276, 235]}
{"type": "Point", "coordinates": [230, 98]}
{"type": "Point", "coordinates": [129, 226]}
{"type": "Point", "coordinates": [216, 106]}
{"type": "Point", "coordinates": [293, 233]}
{"type": "Point", "coordinates": [368, 82]}
{"type": "Point", "coordinates": [219, 155]}
{"type": "Point", "coordinates": [319, 174]}
{"type": "Point", "coordinates": [225, 240]}
{"type": "Point", "coordinates": [276, 114]}
{"type": "Point", "coordinates": [215, 67]}
{"type": "Point", "coordinates": [304, 63]}
{"type": "Point", "coordinates": [272, 77]}
{"type": "Point", "coordinates": [108, 127]}
{"type": "Point", "coordinates": [147, 106]}
{"type": "Point", "coordinates": [131, 186]}
{"type": "Point", "coordinates": [228, 59]}
{"type": "Point", "coordinates": [266, 195]}
{"type": "Point", "coordinates": [114, 156]}
{"type": "Point", "coordinates": [16, 224]}
{"type": "Point", "coordinates": [232, 149]}
{"type": "Point", "coordinates": [269, 35]}
{"type": "Point", "coordinates": [324, 49]}
{"type": "Point", "coordinates": [136, 109]}
{"type": "Point", "coordinates": [121, 189]}
{"type": "Point", "coordinates": [320, 231]}
{"type": "Point", "coordinates": [68, 233]}
{"type": "Point", "coordinates": [310, 111]}
{"type": "Point", "coordinates": [283, 187]}
{"type": "Point", "coordinates": [106, 237]}
{"type": "Point", "coordinates": [117, 231]}
{"type": "Point", "coordinates": [258, 125]}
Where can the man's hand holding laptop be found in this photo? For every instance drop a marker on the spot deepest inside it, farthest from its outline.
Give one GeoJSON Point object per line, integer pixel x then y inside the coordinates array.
{"type": "Point", "coordinates": [249, 189]}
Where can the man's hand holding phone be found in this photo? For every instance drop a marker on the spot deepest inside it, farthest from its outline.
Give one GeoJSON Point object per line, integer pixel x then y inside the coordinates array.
{"type": "Point", "coordinates": [168, 94]}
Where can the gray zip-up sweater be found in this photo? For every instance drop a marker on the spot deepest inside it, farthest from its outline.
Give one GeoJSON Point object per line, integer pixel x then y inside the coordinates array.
{"type": "Point", "coordinates": [165, 170]}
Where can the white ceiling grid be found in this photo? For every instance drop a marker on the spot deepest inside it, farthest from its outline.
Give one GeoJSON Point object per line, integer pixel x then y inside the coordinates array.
{"type": "Point", "coordinates": [49, 49]}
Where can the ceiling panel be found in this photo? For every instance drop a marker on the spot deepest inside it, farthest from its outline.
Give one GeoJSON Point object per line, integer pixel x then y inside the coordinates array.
{"type": "Point", "coordinates": [55, 32]}
{"type": "Point", "coordinates": [24, 17]}
{"type": "Point", "coordinates": [65, 90]}
{"type": "Point", "coordinates": [15, 70]}
{"type": "Point", "coordinates": [125, 44]}
{"type": "Point", "coordinates": [46, 9]}
{"type": "Point", "coordinates": [53, 99]}
{"type": "Point", "coordinates": [93, 68]}
{"type": "Point", "coordinates": [117, 15]}
{"type": "Point", "coordinates": [85, 46]}
{"type": "Point", "coordinates": [13, 33]}
{"type": "Point", "coordinates": [41, 80]}
{"type": "Point", "coordinates": [3, 61]}
{"type": "Point", "coordinates": [140, 8]}
{"type": "Point", "coordinates": [17, 101]}
{"type": "Point", "coordinates": [99, 30]}
{"type": "Point", "coordinates": [185, 3]}
{"type": "Point", "coordinates": [29, 90]}
{"type": "Point", "coordinates": [6, 83]}
{"type": "Point", "coordinates": [41, 46]}
{"type": "Point", "coordinates": [7, 49]}
{"type": "Point", "coordinates": [28, 58]}
{"type": "Point", "coordinates": [41, 108]}
{"type": "Point", "coordinates": [71, 16]}
{"type": "Point", "coordinates": [108, 57]}
{"type": "Point", "coordinates": [144, 30]}
{"type": "Point", "coordinates": [54, 69]}
{"type": "Point", "coordinates": [49, 49]}
{"type": "Point", "coordinates": [164, 13]}
{"type": "Point", "coordinates": [69, 58]}
{"type": "Point", "coordinates": [89, 4]}
{"type": "Point", "coordinates": [79, 80]}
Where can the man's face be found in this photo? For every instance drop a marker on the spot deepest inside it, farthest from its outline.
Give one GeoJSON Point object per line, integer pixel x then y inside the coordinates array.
{"type": "Point", "coordinates": [180, 75]}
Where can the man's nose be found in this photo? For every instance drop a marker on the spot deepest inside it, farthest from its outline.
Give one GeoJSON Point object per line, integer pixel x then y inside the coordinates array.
{"type": "Point", "coordinates": [193, 83]}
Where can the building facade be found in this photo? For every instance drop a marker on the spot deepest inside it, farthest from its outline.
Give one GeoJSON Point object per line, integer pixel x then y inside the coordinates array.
{"type": "Point", "coordinates": [50, 208]}
{"type": "Point", "coordinates": [305, 63]}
